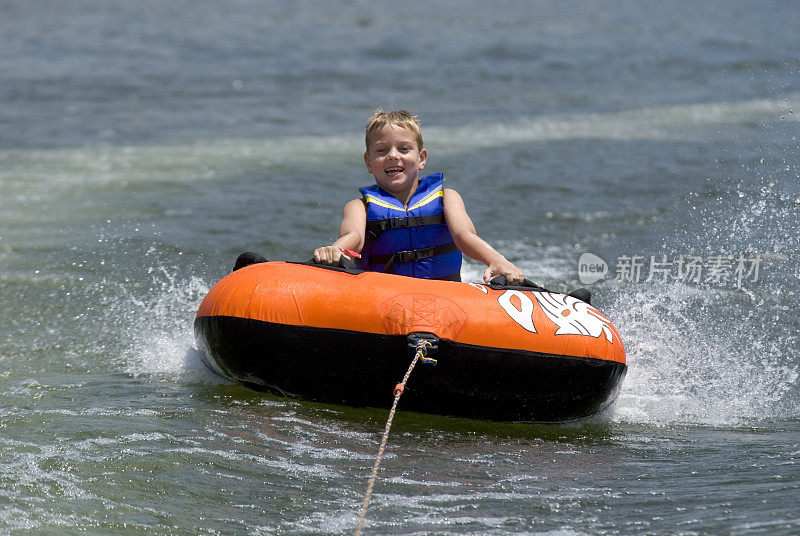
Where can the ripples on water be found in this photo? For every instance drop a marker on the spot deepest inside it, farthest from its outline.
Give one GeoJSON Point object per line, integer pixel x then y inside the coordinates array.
{"type": "Point", "coordinates": [139, 169]}
{"type": "Point", "coordinates": [113, 425]}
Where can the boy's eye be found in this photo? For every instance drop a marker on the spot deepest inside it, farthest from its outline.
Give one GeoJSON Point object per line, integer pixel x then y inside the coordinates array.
{"type": "Point", "coordinates": [401, 149]}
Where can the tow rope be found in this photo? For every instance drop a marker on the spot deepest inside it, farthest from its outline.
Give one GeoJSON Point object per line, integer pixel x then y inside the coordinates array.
{"type": "Point", "coordinates": [422, 346]}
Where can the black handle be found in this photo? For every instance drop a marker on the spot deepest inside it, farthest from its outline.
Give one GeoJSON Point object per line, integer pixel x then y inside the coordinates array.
{"type": "Point", "coordinates": [345, 263]}
{"type": "Point", "coordinates": [500, 282]}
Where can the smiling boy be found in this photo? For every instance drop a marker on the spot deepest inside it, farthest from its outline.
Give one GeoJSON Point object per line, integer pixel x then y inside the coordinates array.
{"type": "Point", "coordinates": [404, 224]}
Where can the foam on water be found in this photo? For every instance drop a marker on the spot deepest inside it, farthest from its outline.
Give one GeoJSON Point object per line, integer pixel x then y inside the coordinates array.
{"type": "Point", "coordinates": [160, 338]}
{"type": "Point", "coordinates": [680, 122]}
{"type": "Point", "coordinates": [691, 361]}
{"type": "Point", "coordinates": [23, 170]}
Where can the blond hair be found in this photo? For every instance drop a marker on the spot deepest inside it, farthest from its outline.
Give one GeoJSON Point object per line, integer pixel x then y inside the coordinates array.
{"type": "Point", "coordinates": [400, 118]}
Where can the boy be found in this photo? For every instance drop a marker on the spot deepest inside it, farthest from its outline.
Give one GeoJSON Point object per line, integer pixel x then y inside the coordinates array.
{"type": "Point", "coordinates": [405, 224]}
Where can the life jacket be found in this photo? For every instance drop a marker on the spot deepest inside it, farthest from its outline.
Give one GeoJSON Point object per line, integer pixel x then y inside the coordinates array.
{"type": "Point", "coordinates": [413, 242]}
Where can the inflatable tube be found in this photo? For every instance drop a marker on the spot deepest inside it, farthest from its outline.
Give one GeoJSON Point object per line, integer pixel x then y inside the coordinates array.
{"type": "Point", "coordinates": [342, 336]}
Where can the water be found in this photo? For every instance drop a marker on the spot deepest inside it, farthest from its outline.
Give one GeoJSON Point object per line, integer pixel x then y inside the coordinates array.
{"type": "Point", "coordinates": [144, 145]}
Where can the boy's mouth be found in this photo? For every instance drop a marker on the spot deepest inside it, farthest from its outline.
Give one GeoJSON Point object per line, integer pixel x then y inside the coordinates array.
{"type": "Point", "coordinates": [394, 170]}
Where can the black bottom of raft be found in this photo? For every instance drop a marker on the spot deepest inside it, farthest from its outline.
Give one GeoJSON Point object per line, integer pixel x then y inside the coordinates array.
{"type": "Point", "coordinates": [361, 369]}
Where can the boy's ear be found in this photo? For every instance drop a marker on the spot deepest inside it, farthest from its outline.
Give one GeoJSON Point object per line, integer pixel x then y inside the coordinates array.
{"type": "Point", "coordinates": [423, 157]}
{"type": "Point", "coordinates": [366, 161]}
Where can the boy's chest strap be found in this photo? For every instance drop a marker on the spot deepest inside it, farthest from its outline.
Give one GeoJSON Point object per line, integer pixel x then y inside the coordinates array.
{"type": "Point", "coordinates": [374, 228]}
{"type": "Point", "coordinates": [411, 255]}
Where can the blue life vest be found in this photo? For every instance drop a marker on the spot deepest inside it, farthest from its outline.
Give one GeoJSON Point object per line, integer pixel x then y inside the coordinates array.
{"type": "Point", "coordinates": [414, 242]}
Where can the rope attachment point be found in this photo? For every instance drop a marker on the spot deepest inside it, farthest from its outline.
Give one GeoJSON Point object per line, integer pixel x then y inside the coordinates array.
{"type": "Point", "coordinates": [427, 343]}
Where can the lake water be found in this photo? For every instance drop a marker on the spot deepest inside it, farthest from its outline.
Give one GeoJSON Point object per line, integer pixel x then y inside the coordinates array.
{"type": "Point", "coordinates": [143, 145]}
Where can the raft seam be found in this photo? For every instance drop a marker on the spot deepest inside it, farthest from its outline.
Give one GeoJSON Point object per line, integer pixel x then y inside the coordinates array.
{"type": "Point", "coordinates": [518, 351]}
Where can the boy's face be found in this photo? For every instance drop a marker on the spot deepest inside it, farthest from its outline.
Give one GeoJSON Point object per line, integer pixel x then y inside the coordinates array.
{"type": "Point", "coordinates": [394, 159]}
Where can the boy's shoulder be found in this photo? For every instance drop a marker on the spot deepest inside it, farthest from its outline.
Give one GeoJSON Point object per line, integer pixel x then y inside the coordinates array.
{"type": "Point", "coordinates": [450, 193]}
{"type": "Point", "coordinates": [358, 202]}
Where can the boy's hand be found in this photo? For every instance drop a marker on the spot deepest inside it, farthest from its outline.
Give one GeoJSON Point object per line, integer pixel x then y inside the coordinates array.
{"type": "Point", "coordinates": [503, 267]}
{"type": "Point", "coordinates": [328, 255]}
{"type": "Point", "coordinates": [332, 254]}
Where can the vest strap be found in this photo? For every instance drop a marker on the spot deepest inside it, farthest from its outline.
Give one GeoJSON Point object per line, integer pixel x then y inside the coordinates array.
{"type": "Point", "coordinates": [411, 256]}
{"type": "Point", "coordinates": [376, 227]}
{"type": "Point", "coordinates": [408, 221]}
{"type": "Point", "coordinates": [455, 277]}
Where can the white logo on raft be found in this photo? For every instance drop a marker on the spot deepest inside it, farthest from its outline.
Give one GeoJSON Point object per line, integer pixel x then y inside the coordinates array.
{"type": "Point", "coordinates": [479, 287]}
{"type": "Point", "coordinates": [522, 316]}
{"type": "Point", "coordinates": [572, 316]}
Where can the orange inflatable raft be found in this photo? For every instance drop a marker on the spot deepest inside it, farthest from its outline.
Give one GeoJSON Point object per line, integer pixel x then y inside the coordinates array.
{"type": "Point", "coordinates": [346, 336]}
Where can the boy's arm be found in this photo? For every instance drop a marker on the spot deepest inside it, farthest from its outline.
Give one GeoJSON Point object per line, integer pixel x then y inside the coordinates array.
{"type": "Point", "coordinates": [468, 241]}
{"type": "Point", "coordinates": [351, 234]}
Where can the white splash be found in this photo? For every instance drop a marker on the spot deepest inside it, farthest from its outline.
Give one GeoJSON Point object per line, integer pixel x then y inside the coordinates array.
{"type": "Point", "coordinates": [695, 357]}
{"type": "Point", "coordinates": [160, 329]}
